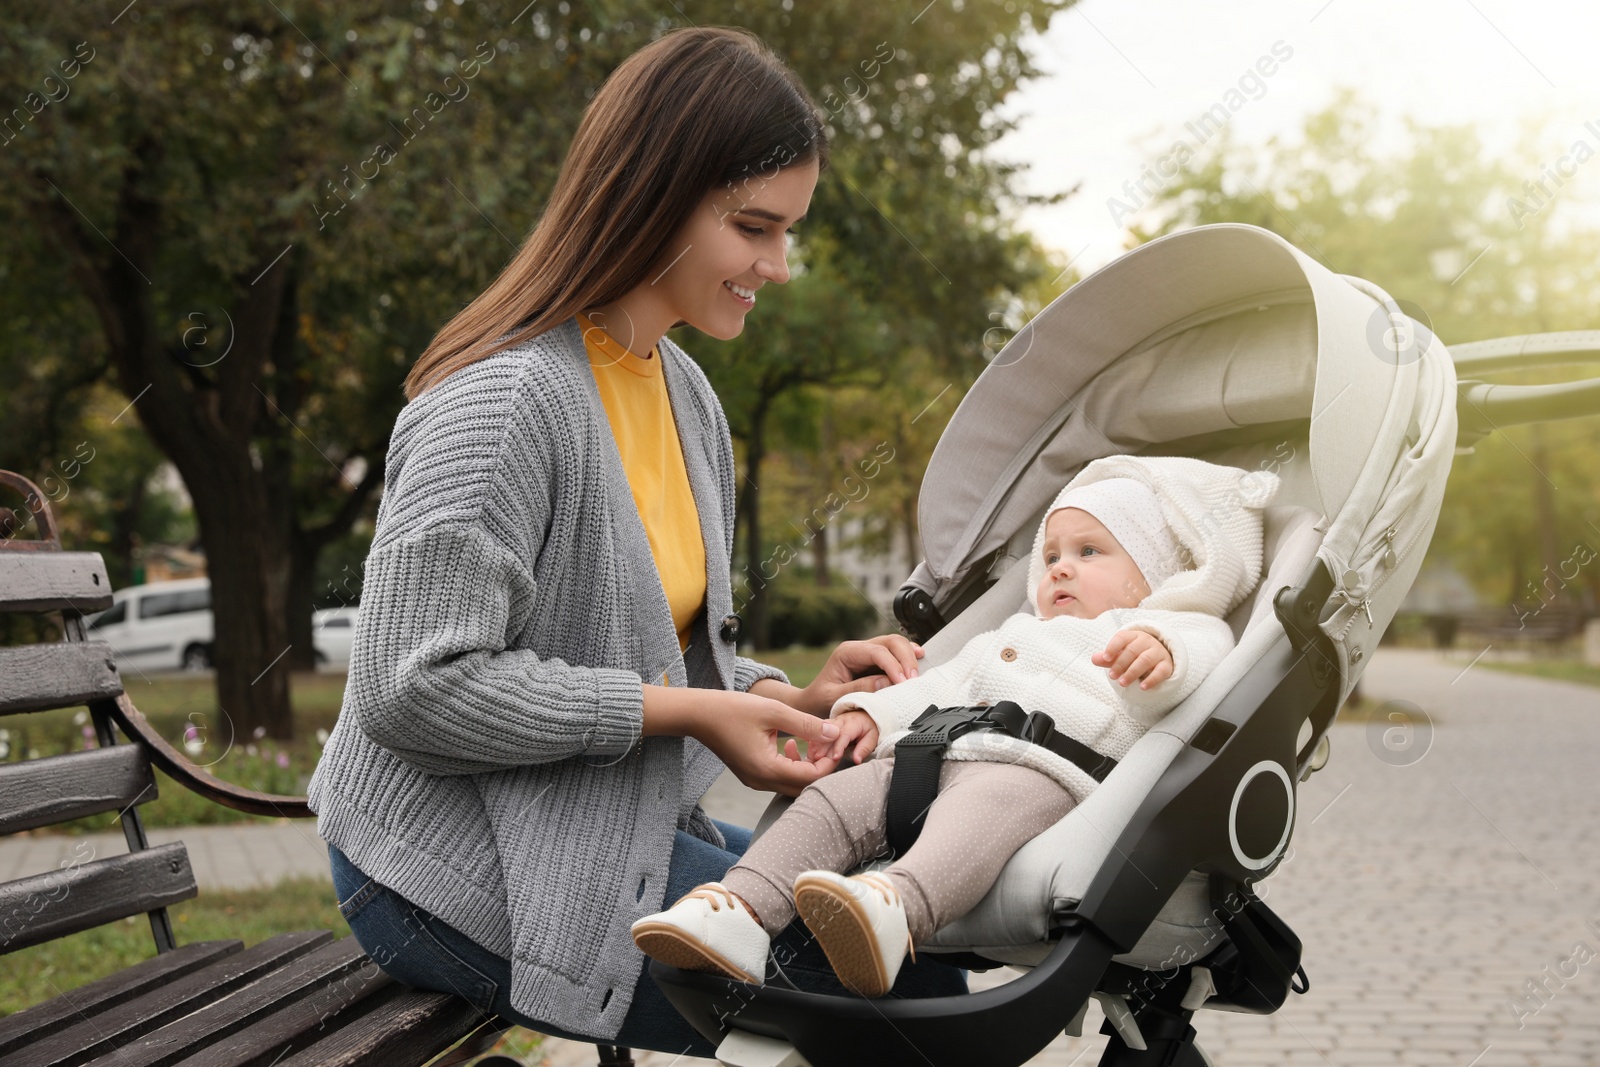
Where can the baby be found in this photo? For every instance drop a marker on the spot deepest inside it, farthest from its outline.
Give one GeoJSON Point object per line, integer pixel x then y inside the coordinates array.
{"type": "Point", "coordinates": [1134, 565]}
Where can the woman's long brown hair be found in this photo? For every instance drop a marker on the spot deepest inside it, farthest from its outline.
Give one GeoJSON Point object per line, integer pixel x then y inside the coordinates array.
{"type": "Point", "coordinates": [698, 108]}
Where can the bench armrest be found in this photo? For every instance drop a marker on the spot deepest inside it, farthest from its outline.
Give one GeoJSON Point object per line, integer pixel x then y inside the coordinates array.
{"type": "Point", "coordinates": [178, 767]}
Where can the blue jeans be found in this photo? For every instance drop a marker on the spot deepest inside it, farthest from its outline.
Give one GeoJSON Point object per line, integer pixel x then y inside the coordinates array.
{"type": "Point", "coordinates": [421, 950]}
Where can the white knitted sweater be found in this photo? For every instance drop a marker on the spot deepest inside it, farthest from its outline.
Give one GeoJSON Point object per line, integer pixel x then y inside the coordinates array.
{"type": "Point", "coordinates": [1044, 664]}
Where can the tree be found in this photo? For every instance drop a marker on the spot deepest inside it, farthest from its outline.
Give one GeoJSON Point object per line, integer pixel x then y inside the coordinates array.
{"type": "Point", "coordinates": [262, 214]}
{"type": "Point", "coordinates": [253, 218]}
{"type": "Point", "coordinates": [1478, 251]}
{"type": "Point", "coordinates": [909, 244]}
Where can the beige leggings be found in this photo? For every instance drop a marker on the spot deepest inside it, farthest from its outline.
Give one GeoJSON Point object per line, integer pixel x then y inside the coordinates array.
{"type": "Point", "coordinates": [984, 812]}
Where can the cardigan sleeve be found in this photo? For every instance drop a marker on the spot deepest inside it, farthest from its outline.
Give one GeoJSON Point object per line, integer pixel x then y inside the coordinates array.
{"type": "Point", "coordinates": [747, 672]}
{"type": "Point", "coordinates": [432, 677]}
{"type": "Point", "coordinates": [432, 681]}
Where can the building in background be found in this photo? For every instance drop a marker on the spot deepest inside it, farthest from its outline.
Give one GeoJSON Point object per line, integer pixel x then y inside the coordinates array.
{"type": "Point", "coordinates": [167, 563]}
{"type": "Point", "coordinates": [877, 575]}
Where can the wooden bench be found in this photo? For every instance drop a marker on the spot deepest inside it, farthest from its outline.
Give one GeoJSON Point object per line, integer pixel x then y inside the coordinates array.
{"type": "Point", "coordinates": [294, 1000]}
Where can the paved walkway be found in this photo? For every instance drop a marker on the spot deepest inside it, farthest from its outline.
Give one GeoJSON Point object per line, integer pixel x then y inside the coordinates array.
{"type": "Point", "coordinates": [223, 857]}
{"type": "Point", "coordinates": [1428, 891]}
{"type": "Point", "coordinates": [1435, 875]}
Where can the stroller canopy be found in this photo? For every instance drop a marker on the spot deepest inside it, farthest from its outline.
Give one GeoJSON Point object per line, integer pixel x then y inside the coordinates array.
{"type": "Point", "coordinates": [1207, 338]}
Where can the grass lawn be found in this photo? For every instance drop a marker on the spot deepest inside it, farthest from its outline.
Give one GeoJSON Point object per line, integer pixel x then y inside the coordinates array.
{"type": "Point", "coordinates": [40, 972]}
{"type": "Point", "coordinates": [800, 664]}
{"type": "Point", "coordinates": [183, 708]}
{"type": "Point", "coordinates": [1561, 670]}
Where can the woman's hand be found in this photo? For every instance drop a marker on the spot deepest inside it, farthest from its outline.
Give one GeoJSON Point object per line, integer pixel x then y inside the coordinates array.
{"type": "Point", "coordinates": [742, 729]}
{"type": "Point", "coordinates": [845, 672]}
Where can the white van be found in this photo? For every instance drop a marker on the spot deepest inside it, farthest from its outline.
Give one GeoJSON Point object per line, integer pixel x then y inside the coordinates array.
{"type": "Point", "coordinates": [166, 626]}
{"type": "Point", "coordinates": [160, 626]}
{"type": "Point", "coordinates": [332, 630]}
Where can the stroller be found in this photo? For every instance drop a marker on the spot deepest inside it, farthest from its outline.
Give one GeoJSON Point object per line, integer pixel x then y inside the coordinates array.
{"type": "Point", "coordinates": [1228, 344]}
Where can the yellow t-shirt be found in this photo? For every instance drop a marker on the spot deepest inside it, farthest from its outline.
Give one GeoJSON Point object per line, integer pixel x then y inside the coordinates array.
{"type": "Point", "coordinates": [635, 397]}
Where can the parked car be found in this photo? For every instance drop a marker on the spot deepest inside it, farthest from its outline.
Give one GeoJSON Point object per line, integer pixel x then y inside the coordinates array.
{"type": "Point", "coordinates": [159, 626]}
{"type": "Point", "coordinates": [331, 631]}
{"type": "Point", "coordinates": [165, 626]}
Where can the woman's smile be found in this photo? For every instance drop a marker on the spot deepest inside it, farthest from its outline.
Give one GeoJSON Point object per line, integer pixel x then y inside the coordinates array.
{"type": "Point", "coordinates": [745, 297]}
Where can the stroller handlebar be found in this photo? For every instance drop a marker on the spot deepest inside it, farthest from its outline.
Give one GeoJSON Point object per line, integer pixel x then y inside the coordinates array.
{"type": "Point", "coordinates": [1527, 350]}
{"type": "Point", "coordinates": [1483, 407]}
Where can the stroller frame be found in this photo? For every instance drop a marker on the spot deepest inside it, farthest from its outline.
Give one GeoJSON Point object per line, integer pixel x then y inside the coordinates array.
{"type": "Point", "coordinates": [1180, 827]}
{"type": "Point", "coordinates": [1224, 806]}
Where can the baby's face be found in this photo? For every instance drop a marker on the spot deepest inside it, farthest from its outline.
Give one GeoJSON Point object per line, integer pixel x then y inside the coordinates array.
{"type": "Point", "coordinates": [1085, 570]}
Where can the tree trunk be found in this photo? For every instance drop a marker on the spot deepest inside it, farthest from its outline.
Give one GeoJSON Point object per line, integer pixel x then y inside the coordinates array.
{"type": "Point", "coordinates": [750, 506]}
{"type": "Point", "coordinates": [819, 543]}
{"type": "Point", "coordinates": [306, 547]}
{"type": "Point", "coordinates": [226, 426]}
{"type": "Point", "coordinates": [1518, 593]}
{"type": "Point", "coordinates": [124, 531]}
{"type": "Point", "coordinates": [819, 557]}
{"type": "Point", "coordinates": [247, 557]}
{"type": "Point", "coordinates": [303, 553]}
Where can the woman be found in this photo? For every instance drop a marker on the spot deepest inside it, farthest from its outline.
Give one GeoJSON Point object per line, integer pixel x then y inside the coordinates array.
{"type": "Point", "coordinates": [515, 775]}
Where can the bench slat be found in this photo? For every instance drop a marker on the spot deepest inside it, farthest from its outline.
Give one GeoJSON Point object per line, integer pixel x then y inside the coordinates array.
{"type": "Point", "coordinates": [406, 1030]}
{"type": "Point", "coordinates": [300, 1024]}
{"type": "Point", "coordinates": [132, 1019]}
{"type": "Point", "coordinates": [80, 896]}
{"type": "Point", "coordinates": [87, 1000]}
{"type": "Point", "coordinates": [57, 788]}
{"type": "Point", "coordinates": [51, 581]}
{"type": "Point", "coordinates": [315, 977]}
{"type": "Point", "coordinates": [41, 677]}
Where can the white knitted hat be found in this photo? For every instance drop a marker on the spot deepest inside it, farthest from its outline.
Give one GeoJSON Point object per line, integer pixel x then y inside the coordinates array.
{"type": "Point", "coordinates": [1132, 514]}
{"type": "Point", "coordinates": [1213, 512]}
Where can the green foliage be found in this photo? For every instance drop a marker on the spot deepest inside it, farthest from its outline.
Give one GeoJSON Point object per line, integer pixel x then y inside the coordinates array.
{"type": "Point", "coordinates": [386, 162]}
{"type": "Point", "coordinates": [807, 614]}
{"type": "Point", "coordinates": [183, 709]}
{"type": "Point", "coordinates": [340, 570]}
{"type": "Point", "coordinates": [1446, 228]}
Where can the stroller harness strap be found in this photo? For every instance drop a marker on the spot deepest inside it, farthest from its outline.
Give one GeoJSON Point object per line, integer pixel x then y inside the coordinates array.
{"type": "Point", "coordinates": [918, 756]}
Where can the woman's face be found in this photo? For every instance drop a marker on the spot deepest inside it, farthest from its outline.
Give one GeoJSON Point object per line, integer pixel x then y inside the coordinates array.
{"type": "Point", "coordinates": [734, 243]}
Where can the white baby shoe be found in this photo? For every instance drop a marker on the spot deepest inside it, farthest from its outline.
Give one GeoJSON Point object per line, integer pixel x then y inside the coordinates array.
{"type": "Point", "coordinates": [706, 930]}
{"type": "Point", "coordinates": [860, 923]}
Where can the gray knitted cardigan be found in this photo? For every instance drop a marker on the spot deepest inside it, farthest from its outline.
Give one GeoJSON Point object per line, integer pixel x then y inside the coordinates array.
{"type": "Point", "coordinates": [487, 764]}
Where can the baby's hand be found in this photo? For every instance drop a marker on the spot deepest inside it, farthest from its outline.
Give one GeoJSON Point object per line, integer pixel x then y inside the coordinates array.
{"type": "Point", "coordinates": [1136, 654]}
{"type": "Point", "coordinates": [855, 728]}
